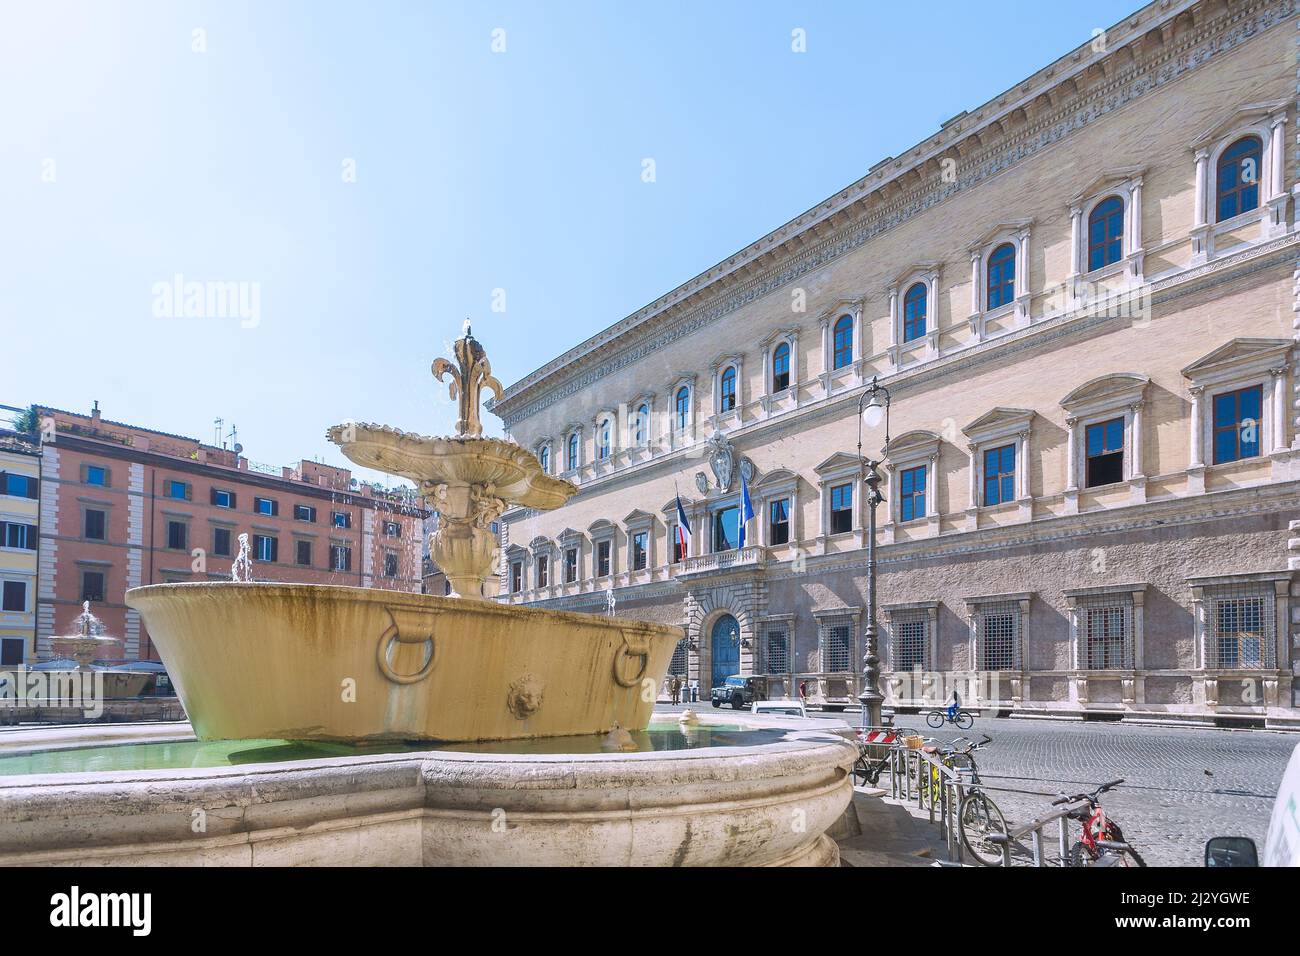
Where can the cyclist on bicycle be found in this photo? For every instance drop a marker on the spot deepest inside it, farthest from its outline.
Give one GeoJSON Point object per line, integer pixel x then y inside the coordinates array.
{"type": "Point", "coordinates": [954, 706]}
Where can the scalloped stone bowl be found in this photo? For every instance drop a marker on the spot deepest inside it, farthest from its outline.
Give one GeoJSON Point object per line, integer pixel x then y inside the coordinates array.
{"type": "Point", "coordinates": [317, 662]}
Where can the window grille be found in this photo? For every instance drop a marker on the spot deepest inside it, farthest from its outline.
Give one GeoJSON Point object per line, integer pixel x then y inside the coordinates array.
{"type": "Point", "coordinates": [911, 643]}
{"type": "Point", "coordinates": [999, 637]}
{"type": "Point", "coordinates": [678, 664]}
{"type": "Point", "coordinates": [1241, 629]}
{"type": "Point", "coordinates": [778, 651]}
{"type": "Point", "coordinates": [839, 647]}
{"type": "Point", "coordinates": [1106, 630]}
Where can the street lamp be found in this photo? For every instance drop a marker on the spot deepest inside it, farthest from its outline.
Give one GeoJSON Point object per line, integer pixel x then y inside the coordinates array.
{"type": "Point", "coordinates": [873, 408]}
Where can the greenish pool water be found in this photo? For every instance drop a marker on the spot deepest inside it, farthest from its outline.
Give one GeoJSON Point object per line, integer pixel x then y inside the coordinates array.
{"type": "Point", "coordinates": [199, 754]}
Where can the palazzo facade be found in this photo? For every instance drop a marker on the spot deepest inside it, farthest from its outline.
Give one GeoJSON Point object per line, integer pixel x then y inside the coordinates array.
{"type": "Point", "coordinates": [1083, 299]}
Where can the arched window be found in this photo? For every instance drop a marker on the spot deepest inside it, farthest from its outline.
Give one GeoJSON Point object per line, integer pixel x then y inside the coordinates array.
{"type": "Point", "coordinates": [843, 341]}
{"type": "Point", "coordinates": [914, 309]}
{"type": "Point", "coordinates": [602, 439]}
{"type": "Point", "coordinates": [727, 399]}
{"type": "Point", "coordinates": [572, 463]}
{"type": "Point", "coordinates": [545, 459]}
{"type": "Point", "coordinates": [781, 367]}
{"type": "Point", "coordinates": [1002, 276]}
{"type": "Point", "coordinates": [1238, 177]}
{"type": "Point", "coordinates": [641, 426]}
{"type": "Point", "coordinates": [683, 407]}
{"type": "Point", "coordinates": [1106, 233]}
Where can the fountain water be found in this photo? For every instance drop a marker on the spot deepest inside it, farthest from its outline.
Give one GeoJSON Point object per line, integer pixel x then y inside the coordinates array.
{"type": "Point", "coordinates": [345, 700]}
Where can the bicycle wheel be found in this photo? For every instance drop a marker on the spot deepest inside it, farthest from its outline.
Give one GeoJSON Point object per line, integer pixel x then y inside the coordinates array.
{"type": "Point", "coordinates": [1128, 856]}
{"type": "Point", "coordinates": [963, 720]}
{"type": "Point", "coordinates": [934, 718]}
{"type": "Point", "coordinates": [978, 820]}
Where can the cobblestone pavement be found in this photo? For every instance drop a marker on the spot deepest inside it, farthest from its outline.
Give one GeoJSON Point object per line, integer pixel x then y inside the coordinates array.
{"type": "Point", "coordinates": [1168, 804]}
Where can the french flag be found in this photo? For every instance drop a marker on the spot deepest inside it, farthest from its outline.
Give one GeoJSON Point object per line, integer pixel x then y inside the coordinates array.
{"type": "Point", "coordinates": [683, 528]}
{"type": "Point", "coordinates": [746, 509]}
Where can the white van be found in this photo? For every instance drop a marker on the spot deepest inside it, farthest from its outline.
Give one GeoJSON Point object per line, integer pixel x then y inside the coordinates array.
{"type": "Point", "coordinates": [1282, 845]}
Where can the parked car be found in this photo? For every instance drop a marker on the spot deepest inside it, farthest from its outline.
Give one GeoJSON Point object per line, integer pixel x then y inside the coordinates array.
{"type": "Point", "coordinates": [736, 690]}
{"type": "Point", "coordinates": [788, 708]}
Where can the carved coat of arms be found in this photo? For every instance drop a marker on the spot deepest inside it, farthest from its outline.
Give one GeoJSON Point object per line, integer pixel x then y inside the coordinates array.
{"type": "Point", "coordinates": [722, 460]}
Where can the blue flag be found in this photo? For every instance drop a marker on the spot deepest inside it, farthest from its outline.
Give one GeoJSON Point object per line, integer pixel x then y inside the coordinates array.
{"type": "Point", "coordinates": [746, 508]}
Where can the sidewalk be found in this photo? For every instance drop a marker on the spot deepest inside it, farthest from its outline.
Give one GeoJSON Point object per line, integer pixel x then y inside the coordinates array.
{"type": "Point", "coordinates": [885, 833]}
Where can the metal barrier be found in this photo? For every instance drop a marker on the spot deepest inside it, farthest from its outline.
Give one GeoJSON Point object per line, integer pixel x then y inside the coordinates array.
{"type": "Point", "coordinates": [1034, 830]}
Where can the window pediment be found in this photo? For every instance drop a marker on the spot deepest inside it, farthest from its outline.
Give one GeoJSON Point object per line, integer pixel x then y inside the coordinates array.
{"type": "Point", "coordinates": [837, 463]}
{"type": "Point", "coordinates": [639, 519]}
{"type": "Point", "coordinates": [997, 422]}
{"type": "Point", "coordinates": [515, 553]}
{"type": "Point", "coordinates": [1235, 119]}
{"type": "Point", "coordinates": [778, 476]}
{"type": "Point", "coordinates": [540, 543]}
{"type": "Point", "coordinates": [912, 445]}
{"type": "Point", "coordinates": [916, 272]}
{"type": "Point", "coordinates": [601, 526]}
{"type": "Point", "coordinates": [670, 506]}
{"type": "Point", "coordinates": [1241, 356]}
{"type": "Point", "coordinates": [1108, 180]}
{"type": "Point", "coordinates": [1121, 388]}
{"type": "Point", "coordinates": [1003, 230]}
{"type": "Point", "coordinates": [569, 536]}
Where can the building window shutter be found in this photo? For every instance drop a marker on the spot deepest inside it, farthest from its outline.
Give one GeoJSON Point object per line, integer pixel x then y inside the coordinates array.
{"type": "Point", "coordinates": [212, 496]}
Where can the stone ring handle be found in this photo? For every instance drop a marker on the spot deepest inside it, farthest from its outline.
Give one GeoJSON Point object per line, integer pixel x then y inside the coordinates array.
{"type": "Point", "coordinates": [632, 647]}
{"type": "Point", "coordinates": [408, 627]}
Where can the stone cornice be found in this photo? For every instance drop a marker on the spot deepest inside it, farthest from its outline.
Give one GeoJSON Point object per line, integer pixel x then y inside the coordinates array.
{"type": "Point", "coordinates": [1031, 117]}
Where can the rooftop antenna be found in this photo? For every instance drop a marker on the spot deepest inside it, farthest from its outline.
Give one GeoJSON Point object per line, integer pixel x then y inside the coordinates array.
{"type": "Point", "coordinates": [216, 427]}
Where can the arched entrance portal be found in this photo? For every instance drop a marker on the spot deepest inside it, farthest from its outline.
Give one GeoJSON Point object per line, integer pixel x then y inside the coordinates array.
{"type": "Point", "coordinates": [725, 646]}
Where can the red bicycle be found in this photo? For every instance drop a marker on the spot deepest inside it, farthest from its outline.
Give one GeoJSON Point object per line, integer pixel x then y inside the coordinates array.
{"type": "Point", "coordinates": [1101, 842]}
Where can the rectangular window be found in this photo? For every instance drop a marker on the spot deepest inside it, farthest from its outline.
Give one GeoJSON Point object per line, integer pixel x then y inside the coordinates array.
{"type": "Point", "coordinates": [221, 542]}
{"type": "Point", "coordinates": [911, 643]}
{"type": "Point", "coordinates": [1242, 632]}
{"type": "Point", "coordinates": [266, 548]}
{"type": "Point", "coordinates": [679, 544]}
{"type": "Point", "coordinates": [95, 522]}
{"type": "Point", "coordinates": [516, 577]}
{"type": "Point", "coordinates": [726, 529]}
{"type": "Point", "coordinates": [778, 651]}
{"type": "Point", "coordinates": [96, 475]}
{"type": "Point", "coordinates": [998, 639]}
{"type": "Point", "coordinates": [266, 506]}
{"type": "Point", "coordinates": [92, 586]}
{"type": "Point", "coordinates": [176, 535]}
{"type": "Point", "coordinates": [340, 557]}
{"type": "Point", "coordinates": [177, 489]}
{"type": "Point", "coordinates": [1104, 443]}
{"type": "Point", "coordinates": [778, 522]}
{"type": "Point", "coordinates": [11, 651]}
{"type": "Point", "coordinates": [570, 565]}
{"type": "Point", "coordinates": [1106, 632]}
{"type": "Point", "coordinates": [303, 556]}
{"type": "Point", "coordinates": [839, 648]}
{"type": "Point", "coordinates": [390, 564]}
{"type": "Point", "coordinates": [543, 566]}
{"type": "Point", "coordinates": [341, 519]}
{"type": "Point", "coordinates": [392, 529]}
{"type": "Point", "coordinates": [679, 662]}
{"type": "Point", "coordinates": [911, 493]}
{"type": "Point", "coordinates": [15, 596]}
{"type": "Point", "coordinates": [999, 475]}
{"type": "Point", "coordinates": [841, 509]}
{"type": "Point", "coordinates": [602, 559]}
{"type": "Point", "coordinates": [222, 498]}
{"type": "Point", "coordinates": [1237, 423]}
{"type": "Point", "coordinates": [640, 556]}
{"type": "Point", "coordinates": [304, 513]}
{"type": "Point", "coordinates": [15, 535]}
{"type": "Point", "coordinates": [19, 486]}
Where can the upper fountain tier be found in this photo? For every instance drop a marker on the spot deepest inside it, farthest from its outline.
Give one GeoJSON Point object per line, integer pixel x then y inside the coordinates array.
{"type": "Point", "coordinates": [470, 479]}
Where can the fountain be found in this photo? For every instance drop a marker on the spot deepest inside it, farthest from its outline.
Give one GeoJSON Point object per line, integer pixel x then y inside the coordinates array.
{"type": "Point", "coordinates": [350, 725]}
{"type": "Point", "coordinates": [86, 644]}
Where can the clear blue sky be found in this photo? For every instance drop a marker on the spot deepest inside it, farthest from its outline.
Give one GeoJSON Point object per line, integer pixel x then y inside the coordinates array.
{"type": "Point", "coordinates": [475, 171]}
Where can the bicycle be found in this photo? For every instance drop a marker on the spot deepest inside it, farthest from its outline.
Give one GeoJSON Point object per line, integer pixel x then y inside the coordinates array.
{"type": "Point", "coordinates": [953, 715]}
{"type": "Point", "coordinates": [978, 817]}
{"type": "Point", "coordinates": [868, 768]}
{"type": "Point", "coordinates": [1101, 842]}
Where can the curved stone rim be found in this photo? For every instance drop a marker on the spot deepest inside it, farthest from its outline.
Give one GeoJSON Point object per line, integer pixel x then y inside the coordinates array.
{"type": "Point", "coordinates": [418, 458]}
{"type": "Point", "coordinates": [351, 593]}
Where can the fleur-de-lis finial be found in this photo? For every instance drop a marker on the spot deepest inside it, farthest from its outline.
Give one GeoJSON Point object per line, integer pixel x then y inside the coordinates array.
{"type": "Point", "coordinates": [469, 375]}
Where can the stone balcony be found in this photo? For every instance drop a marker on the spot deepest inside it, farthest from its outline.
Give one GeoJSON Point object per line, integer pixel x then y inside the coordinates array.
{"type": "Point", "coordinates": [722, 562]}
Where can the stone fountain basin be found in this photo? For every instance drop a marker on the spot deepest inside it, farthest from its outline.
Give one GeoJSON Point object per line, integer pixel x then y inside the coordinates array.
{"type": "Point", "coordinates": [764, 805]}
{"type": "Point", "coordinates": [318, 662]}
